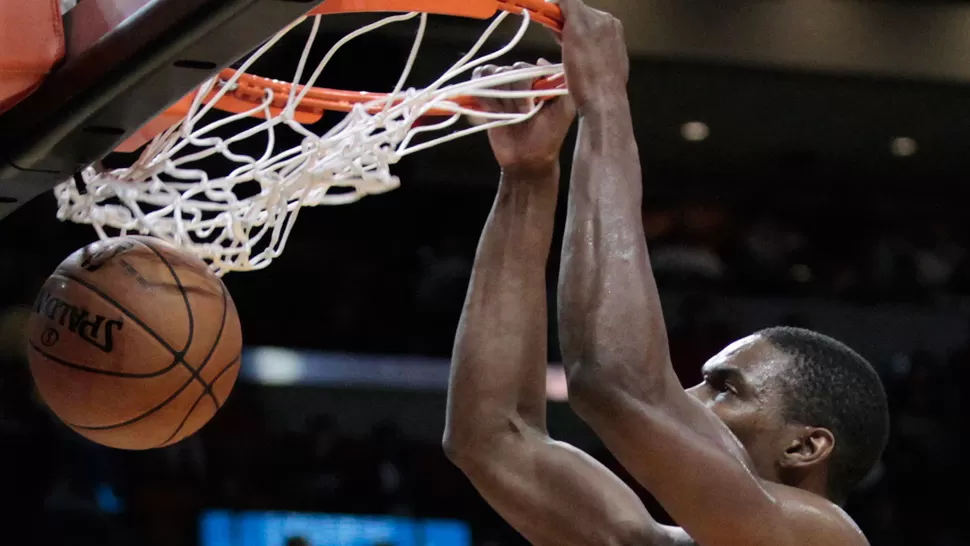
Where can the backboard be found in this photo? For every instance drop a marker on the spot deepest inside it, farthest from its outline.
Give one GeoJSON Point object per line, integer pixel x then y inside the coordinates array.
{"type": "Point", "coordinates": [126, 61]}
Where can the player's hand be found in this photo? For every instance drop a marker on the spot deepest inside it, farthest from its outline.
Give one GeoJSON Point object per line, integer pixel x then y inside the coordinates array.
{"type": "Point", "coordinates": [594, 54]}
{"type": "Point", "coordinates": [534, 145]}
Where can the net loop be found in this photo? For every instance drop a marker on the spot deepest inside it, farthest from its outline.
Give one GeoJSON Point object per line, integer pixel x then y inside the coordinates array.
{"type": "Point", "coordinates": [241, 220]}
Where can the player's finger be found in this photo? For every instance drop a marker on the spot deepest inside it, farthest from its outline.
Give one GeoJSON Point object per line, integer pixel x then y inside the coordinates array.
{"type": "Point", "coordinates": [578, 15]}
{"type": "Point", "coordinates": [522, 105]}
{"type": "Point", "coordinates": [556, 34]}
{"type": "Point", "coordinates": [570, 7]}
{"type": "Point", "coordinates": [521, 66]}
{"type": "Point", "coordinates": [484, 71]}
{"type": "Point", "coordinates": [574, 8]}
{"type": "Point", "coordinates": [564, 103]}
{"type": "Point", "coordinates": [486, 103]}
{"type": "Point", "coordinates": [508, 105]}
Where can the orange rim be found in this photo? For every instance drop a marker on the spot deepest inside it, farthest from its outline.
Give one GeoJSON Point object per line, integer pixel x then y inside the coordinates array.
{"type": "Point", "coordinates": [250, 90]}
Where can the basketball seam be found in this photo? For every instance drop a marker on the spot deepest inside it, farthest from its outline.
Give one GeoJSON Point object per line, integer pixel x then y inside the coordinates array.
{"type": "Point", "coordinates": [188, 414]}
{"type": "Point", "coordinates": [150, 411]}
{"type": "Point", "coordinates": [196, 373]}
{"type": "Point", "coordinates": [205, 362]}
{"type": "Point", "coordinates": [222, 326]}
{"type": "Point", "coordinates": [82, 368]}
{"type": "Point", "coordinates": [137, 418]}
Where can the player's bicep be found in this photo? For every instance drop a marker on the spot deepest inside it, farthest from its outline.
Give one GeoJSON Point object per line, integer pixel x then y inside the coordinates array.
{"type": "Point", "coordinates": [692, 464]}
{"type": "Point", "coordinates": [557, 495]}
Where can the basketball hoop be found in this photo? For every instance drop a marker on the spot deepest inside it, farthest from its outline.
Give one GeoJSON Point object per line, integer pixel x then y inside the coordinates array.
{"type": "Point", "coordinates": [164, 194]}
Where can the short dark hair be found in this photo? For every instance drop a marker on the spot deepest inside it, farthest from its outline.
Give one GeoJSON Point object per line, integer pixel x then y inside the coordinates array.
{"type": "Point", "coordinates": [829, 385]}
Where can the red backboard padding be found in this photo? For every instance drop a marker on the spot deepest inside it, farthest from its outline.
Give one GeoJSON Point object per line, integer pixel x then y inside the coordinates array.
{"type": "Point", "coordinates": [31, 45]}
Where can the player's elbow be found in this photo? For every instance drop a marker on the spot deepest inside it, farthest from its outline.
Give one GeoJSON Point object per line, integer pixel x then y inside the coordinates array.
{"type": "Point", "coordinates": [454, 449]}
{"type": "Point", "coordinates": [466, 433]}
{"type": "Point", "coordinates": [470, 447]}
{"type": "Point", "coordinates": [466, 429]}
{"type": "Point", "coordinates": [466, 449]}
{"type": "Point", "coordinates": [475, 457]}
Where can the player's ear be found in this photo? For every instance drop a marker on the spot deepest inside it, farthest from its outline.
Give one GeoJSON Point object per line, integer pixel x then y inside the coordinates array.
{"type": "Point", "coordinates": [807, 447]}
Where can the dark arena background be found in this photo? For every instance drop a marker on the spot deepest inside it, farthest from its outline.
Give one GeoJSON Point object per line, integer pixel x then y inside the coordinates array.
{"type": "Point", "coordinates": [805, 163]}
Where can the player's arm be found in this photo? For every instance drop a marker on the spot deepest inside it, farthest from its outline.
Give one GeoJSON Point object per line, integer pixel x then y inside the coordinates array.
{"type": "Point", "coordinates": [613, 337]}
{"type": "Point", "coordinates": [496, 432]}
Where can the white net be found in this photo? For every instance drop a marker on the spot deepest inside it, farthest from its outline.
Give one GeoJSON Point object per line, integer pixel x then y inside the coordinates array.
{"type": "Point", "coordinates": [167, 194]}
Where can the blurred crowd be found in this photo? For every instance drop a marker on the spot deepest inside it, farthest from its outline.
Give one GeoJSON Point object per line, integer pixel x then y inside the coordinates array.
{"type": "Point", "coordinates": [372, 281]}
{"type": "Point", "coordinates": [376, 265]}
{"type": "Point", "coordinates": [861, 253]}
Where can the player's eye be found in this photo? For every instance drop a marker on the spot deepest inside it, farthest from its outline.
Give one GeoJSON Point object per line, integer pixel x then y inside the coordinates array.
{"type": "Point", "coordinates": [719, 384]}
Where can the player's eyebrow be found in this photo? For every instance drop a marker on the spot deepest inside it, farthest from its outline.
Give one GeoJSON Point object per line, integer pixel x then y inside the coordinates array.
{"type": "Point", "coordinates": [725, 372]}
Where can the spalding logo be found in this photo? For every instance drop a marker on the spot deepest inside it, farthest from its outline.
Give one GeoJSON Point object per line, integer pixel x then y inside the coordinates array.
{"type": "Point", "coordinates": [94, 329]}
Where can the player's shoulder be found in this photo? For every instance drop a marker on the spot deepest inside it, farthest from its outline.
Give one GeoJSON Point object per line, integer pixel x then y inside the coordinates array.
{"type": "Point", "coordinates": [811, 515]}
{"type": "Point", "coordinates": [815, 520]}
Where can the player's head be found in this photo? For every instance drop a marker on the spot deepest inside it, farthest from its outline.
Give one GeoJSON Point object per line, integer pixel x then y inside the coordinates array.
{"type": "Point", "coordinates": [810, 411]}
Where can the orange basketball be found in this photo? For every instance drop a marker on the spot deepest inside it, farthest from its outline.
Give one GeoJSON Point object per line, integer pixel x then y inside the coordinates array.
{"type": "Point", "coordinates": [134, 343]}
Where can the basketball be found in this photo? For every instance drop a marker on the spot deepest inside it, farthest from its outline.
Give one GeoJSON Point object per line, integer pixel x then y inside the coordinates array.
{"type": "Point", "coordinates": [134, 343]}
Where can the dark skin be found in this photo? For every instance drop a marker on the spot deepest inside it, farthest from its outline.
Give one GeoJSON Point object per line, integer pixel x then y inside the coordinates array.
{"type": "Point", "coordinates": [719, 457]}
{"type": "Point", "coordinates": [551, 492]}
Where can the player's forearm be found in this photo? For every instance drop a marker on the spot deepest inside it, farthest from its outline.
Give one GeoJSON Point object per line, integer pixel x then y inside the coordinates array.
{"type": "Point", "coordinates": [499, 361]}
{"type": "Point", "coordinates": [611, 324]}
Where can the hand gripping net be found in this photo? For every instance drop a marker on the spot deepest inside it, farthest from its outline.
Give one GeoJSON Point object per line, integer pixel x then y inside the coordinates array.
{"type": "Point", "coordinates": [167, 195]}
